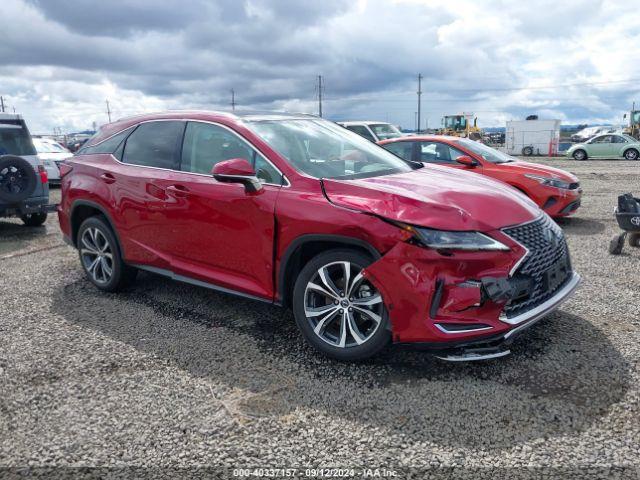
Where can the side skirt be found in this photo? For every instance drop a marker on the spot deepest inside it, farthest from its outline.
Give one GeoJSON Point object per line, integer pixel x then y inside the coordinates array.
{"type": "Point", "coordinates": [199, 283]}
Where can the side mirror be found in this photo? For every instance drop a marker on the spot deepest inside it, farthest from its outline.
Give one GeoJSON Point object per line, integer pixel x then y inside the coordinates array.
{"type": "Point", "coordinates": [467, 161]}
{"type": "Point", "coordinates": [237, 170]}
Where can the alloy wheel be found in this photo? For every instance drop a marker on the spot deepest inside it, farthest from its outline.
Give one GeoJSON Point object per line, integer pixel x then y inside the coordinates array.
{"type": "Point", "coordinates": [97, 255]}
{"type": "Point", "coordinates": [631, 154]}
{"type": "Point", "coordinates": [342, 306]}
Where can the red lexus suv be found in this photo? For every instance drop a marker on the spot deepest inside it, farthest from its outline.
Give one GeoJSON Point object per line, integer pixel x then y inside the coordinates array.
{"type": "Point", "coordinates": [555, 191]}
{"type": "Point", "coordinates": [365, 247]}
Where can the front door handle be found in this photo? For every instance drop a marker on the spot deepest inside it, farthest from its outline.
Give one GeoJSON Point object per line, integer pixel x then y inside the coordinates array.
{"type": "Point", "coordinates": [107, 178]}
{"type": "Point", "coordinates": [178, 191]}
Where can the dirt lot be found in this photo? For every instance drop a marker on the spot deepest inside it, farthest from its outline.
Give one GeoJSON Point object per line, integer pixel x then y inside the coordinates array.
{"type": "Point", "coordinates": [171, 375]}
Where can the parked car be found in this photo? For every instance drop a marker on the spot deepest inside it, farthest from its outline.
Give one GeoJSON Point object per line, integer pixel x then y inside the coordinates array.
{"type": "Point", "coordinates": [52, 154]}
{"type": "Point", "coordinates": [365, 247]}
{"type": "Point", "coordinates": [606, 146]}
{"type": "Point", "coordinates": [373, 131]}
{"type": "Point", "coordinates": [588, 133]}
{"type": "Point", "coordinates": [557, 192]}
{"type": "Point", "coordinates": [24, 187]}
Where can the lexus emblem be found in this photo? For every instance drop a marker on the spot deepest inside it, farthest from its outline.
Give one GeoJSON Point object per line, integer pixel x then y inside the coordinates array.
{"type": "Point", "coordinates": [635, 221]}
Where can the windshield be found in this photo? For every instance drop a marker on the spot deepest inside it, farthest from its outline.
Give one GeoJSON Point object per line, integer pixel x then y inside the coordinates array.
{"type": "Point", "coordinates": [489, 154]}
{"type": "Point", "coordinates": [456, 122]}
{"type": "Point", "coordinates": [15, 139]}
{"type": "Point", "coordinates": [385, 131]}
{"type": "Point", "coordinates": [323, 149]}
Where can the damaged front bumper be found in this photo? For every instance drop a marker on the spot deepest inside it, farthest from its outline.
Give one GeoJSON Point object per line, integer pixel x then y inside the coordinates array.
{"type": "Point", "coordinates": [453, 302]}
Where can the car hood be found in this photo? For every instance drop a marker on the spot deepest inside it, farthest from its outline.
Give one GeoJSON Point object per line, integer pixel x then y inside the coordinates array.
{"type": "Point", "coordinates": [537, 169]}
{"type": "Point", "coordinates": [437, 197]}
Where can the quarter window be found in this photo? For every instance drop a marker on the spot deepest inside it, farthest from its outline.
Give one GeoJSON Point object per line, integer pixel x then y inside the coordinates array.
{"type": "Point", "coordinates": [436, 152]}
{"type": "Point", "coordinates": [154, 144]}
{"type": "Point", "coordinates": [109, 145]}
{"type": "Point", "coordinates": [206, 145]}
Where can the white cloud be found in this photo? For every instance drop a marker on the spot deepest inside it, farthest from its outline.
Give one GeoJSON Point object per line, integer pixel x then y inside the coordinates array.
{"type": "Point", "coordinates": [501, 59]}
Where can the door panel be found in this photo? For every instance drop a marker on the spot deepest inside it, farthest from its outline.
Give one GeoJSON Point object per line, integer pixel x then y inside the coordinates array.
{"type": "Point", "coordinates": [221, 234]}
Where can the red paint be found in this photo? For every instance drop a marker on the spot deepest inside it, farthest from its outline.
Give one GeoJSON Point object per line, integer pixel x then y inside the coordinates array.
{"type": "Point", "coordinates": [198, 227]}
{"type": "Point", "coordinates": [513, 173]}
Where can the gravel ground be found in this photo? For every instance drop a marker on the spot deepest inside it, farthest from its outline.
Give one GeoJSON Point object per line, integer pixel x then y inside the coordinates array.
{"type": "Point", "coordinates": [173, 376]}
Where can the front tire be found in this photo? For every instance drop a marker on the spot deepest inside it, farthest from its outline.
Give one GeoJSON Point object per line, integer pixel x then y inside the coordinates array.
{"type": "Point", "coordinates": [34, 219]}
{"type": "Point", "coordinates": [100, 256]}
{"type": "Point", "coordinates": [631, 154]}
{"type": "Point", "coordinates": [634, 240]}
{"type": "Point", "coordinates": [579, 155]}
{"type": "Point", "coordinates": [339, 312]}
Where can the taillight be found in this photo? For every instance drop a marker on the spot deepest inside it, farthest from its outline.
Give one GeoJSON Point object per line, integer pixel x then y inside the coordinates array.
{"type": "Point", "coordinates": [64, 168]}
{"type": "Point", "coordinates": [44, 178]}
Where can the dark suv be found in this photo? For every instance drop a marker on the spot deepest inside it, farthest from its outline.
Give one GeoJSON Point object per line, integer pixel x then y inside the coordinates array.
{"type": "Point", "coordinates": [365, 247]}
{"type": "Point", "coordinates": [24, 187]}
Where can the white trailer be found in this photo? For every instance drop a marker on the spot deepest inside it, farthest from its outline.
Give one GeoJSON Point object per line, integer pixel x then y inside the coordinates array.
{"type": "Point", "coordinates": [532, 137]}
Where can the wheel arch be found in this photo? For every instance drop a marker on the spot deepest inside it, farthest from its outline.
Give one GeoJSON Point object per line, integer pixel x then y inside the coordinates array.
{"type": "Point", "coordinates": [303, 249]}
{"type": "Point", "coordinates": [83, 209]}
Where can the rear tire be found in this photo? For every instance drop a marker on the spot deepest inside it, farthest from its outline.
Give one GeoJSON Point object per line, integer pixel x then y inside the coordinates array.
{"type": "Point", "coordinates": [34, 219]}
{"type": "Point", "coordinates": [616, 244]}
{"type": "Point", "coordinates": [579, 155]}
{"type": "Point", "coordinates": [339, 312]}
{"type": "Point", "coordinates": [527, 151]}
{"type": "Point", "coordinates": [634, 240]}
{"type": "Point", "coordinates": [100, 256]}
{"type": "Point", "coordinates": [631, 154]}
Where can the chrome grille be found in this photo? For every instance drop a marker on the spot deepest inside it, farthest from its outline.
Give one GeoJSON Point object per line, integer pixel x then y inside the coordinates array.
{"type": "Point", "coordinates": [547, 263]}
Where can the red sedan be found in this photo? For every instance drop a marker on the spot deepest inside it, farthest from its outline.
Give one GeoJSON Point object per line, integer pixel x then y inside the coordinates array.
{"type": "Point", "coordinates": [365, 247]}
{"type": "Point", "coordinates": [555, 191]}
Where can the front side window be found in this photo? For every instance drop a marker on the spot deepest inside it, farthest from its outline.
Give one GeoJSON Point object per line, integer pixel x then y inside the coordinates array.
{"type": "Point", "coordinates": [602, 139]}
{"type": "Point", "coordinates": [323, 149]}
{"type": "Point", "coordinates": [206, 144]}
{"type": "Point", "coordinates": [385, 131]}
{"type": "Point", "coordinates": [436, 152]}
{"type": "Point", "coordinates": [362, 131]}
{"type": "Point", "coordinates": [154, 144]}
{"type": "Point", "coordinates": [401, 149]}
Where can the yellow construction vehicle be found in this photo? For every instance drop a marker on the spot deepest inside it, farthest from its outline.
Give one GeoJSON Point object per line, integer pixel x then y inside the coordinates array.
{"type": "Point", "coordinates": [634, 124]}
{"type": "Point", "coordinates": [460, 126]}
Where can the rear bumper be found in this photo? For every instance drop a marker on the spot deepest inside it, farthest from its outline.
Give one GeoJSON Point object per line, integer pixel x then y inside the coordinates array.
{"type": "Point", "coordinates": [28, 207]}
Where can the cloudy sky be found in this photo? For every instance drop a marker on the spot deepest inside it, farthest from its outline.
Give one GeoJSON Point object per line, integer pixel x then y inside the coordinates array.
{"type": "Point", "coordinates": [60, 60]}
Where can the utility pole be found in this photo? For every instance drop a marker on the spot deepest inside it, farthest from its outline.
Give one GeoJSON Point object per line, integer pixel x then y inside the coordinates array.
{"type": "Point", "coordinates": [320, 95]}
{"type": "Point", "coordinates": [108, 111]}
{"type": "Point", "coordinates": [419, 100]}
{"type": "Point", "coordinates": [415, 121]}
{"type": "Point", "coordinates": [2, 103]}
{"type": "Point", "coordinates": [233, 99]}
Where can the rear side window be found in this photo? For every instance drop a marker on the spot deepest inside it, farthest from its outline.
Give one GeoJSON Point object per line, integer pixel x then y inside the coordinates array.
{"type": "Point", "coordinates": [15, 138]}
{"type": "Point", "coordinates": [107, 146]}
{"type": "Point", "coordinates": [154, 144]}
{"type": "Point", "coordinates": [401, 149]}
{"type": "Point", "coordinates": [362, 131]}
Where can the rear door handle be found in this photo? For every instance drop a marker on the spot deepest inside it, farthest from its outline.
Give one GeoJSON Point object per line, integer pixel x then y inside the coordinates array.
{"type": "Point", "coordinates": [107, 178]}
{"type": "Point", "coordinates": [179, 191]}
